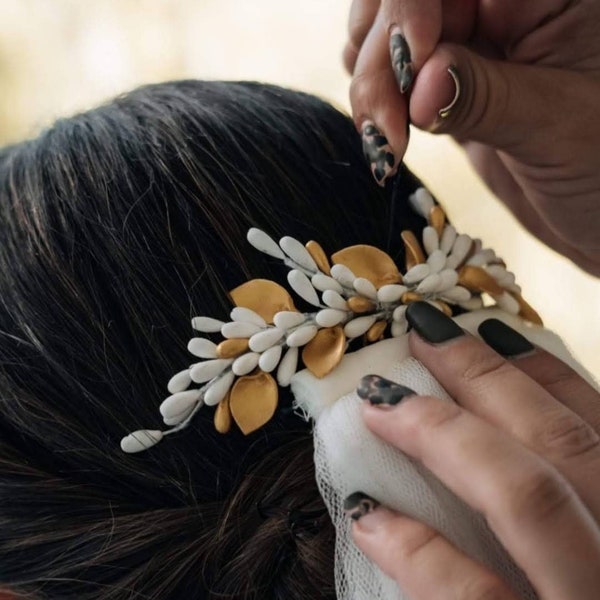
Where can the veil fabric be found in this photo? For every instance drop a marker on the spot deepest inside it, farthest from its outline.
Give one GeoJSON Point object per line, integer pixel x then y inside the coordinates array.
{"type": "Point", "coordinates": [348, 458]}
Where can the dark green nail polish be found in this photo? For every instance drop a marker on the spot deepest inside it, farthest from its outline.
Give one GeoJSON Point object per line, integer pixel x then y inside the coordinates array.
{"type": "Point", "coordinates": [401, 60]}
{"type": "Point", "coordinates": [357, 505]}
{"type": "Point", "coordinates": [432, 324]}
{"type": "Point", "coordinates": [504, 339]}
{"type": "Point", "coordinates": [378, 390]}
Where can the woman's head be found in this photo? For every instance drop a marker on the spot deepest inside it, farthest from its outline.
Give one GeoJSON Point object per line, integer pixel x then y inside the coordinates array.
{"type": "Point", "coordinates": [116, 227]}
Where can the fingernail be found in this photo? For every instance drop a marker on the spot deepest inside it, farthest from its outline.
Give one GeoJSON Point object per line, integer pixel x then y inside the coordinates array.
{"type": "Point", "coordinates": [378, 152]}
{"type": "Point", "coordinates": [401, 60]}
{"type": "Point", "coordinates": [432, 324]}
{"type": "Point", "coordinates": [378, 390]}
{"type": "Point", "coordinates": [444, 113]}
{"type": "Point", "coordinates": [504, 339]}
{"type": "Point", "coordinates": [357, 505]}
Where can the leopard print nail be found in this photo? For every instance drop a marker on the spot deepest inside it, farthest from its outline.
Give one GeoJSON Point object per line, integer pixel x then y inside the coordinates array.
{"type": "Point", "coordinates": [401, 61]}
{"type": "Point", "coordinates": [378, 152]}
{"type": "Point", "coordinates": [378, 390]}
{"type": "Point", "coordinates": [357, 505]}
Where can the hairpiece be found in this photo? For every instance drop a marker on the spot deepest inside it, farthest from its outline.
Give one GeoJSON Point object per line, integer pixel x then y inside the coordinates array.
{"type": "Point", "coordinates": [362, 294]}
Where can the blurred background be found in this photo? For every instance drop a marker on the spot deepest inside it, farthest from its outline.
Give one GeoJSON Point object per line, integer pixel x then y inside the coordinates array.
{"type": "Point", "coordinates": [62, 56]}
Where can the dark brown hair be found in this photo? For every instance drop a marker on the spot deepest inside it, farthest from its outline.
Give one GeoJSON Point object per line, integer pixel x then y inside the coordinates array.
{"type": "Point", "coordinates": [116, 227]}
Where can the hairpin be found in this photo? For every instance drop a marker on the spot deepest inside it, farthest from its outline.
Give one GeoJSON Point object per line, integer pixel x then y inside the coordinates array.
{"type": "Point", "coordinates": [359, 293]}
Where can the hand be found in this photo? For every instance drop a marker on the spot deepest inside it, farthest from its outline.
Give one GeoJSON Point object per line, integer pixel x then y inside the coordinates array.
{"type": "Point", "coordinates": [520, 446]}
{"type": "Point", "coordinates": [527, 109]}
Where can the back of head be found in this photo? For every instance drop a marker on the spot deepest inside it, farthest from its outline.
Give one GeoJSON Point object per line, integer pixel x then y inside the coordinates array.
{"type": "Point", "coordinates": [116, 227]}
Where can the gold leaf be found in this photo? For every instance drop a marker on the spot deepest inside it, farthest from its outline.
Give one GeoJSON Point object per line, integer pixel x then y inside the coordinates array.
{"type": "Point", "coordinates": [325, 351]}
{"type": "Point", "coordinates": [409, 297]}
{"type": "Point", "coordinates": [527, 312]}
{"type": "Point", "coordinates": [264, 297]}
{"type": "Point", "coordinates": [253, 400]}
{"type": "Point", "coordinates": [369, 262]}
{"type": "Point", "coordinates": [445, 308]}
{"type": "Point", "coordinates": [413, 250]}
{"type": "Point", "coordinates": [232, 347]}
{"type": "Point", "coordinates": [319, 256]}
{"type": "Point", "coordinates": [437, 219]}
{"type": "Point", "coordinates": [477, 279]}
{"type": "Point", "coordinates": [359, 305]}
{"type": "Point", "coordinates": [376, 331]}
{"type": "Point", "coordinates": [223, 416]}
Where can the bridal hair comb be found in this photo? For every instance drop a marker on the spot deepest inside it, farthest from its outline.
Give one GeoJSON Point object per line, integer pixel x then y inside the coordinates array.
{"type": "Point", "coordinates": [360, 292]}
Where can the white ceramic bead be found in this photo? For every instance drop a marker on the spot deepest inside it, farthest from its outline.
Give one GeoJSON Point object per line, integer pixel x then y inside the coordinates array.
{"type": "Point", "coordinates": [429, 284]}
{"type": "Point", "coordinates": [448, 279]}
{"type": "Point", "coordinates": [301, 284]}
{"type": "Point", "coordinates": [391, 293]}
{"type": "Point", "coordinates": [416, 273]}
{"type": "Point", "coordinates": [330, 317]}
{"type": "Point", "coordinates": [399, 313]}
{"type": "Point", "coordinates": [343, 274]}
{"type": "Point", "coordinates": [179, 403]}
{"type": "Point", "coordinates": [241, 313]}
{"type": "Point", "coordinates": [202, 348]}
{"type": "Point", "coordinates": [301, 336]}
{"type": "Point", "coordinates": [334, 300]}
{"type": "Point", "coordinates": [436, 261]}
{"type": "Point", "coordinates": [263, 340]}
{"type": "Point", "coordinates": [287, 367]}
{"type": "Point", "coordinates": [365, 288]}
{"type": "Point", "coordinates": [457, 294]}
{"type": "Point", "coordinates": [206, 324]}
{"type": "Point", "coordinates": [359, 326]}
{"type": "Point", "coordinates": [218, 390]}
{"type": "Point", "coordinates": [431, 241]}
{"type": "Point", "coordinates": [261, 241]}
{"type": "Point", "coordinates": [242, 365]}
{"type": "Point", "coordinates": [448, 239]}
{"type": "Point", "coordinates": [287, 319]}
{"type": "Point", "coordinates": [298, 253]}
{"type": "Point", "coordinates": [179, 382]}
{"type": "Point", "coordinates": [399, 328]}
{"type": "Point", "coordinates": [270, 359]}
{"type": "Point", "coordinates": [508, 303]}
{"type": "Point", "coordinates": [422, 202]}
{"type": "Point", "coordinates": [238, 329]}
{"type": "Point", "coordinates": [205, 371]}
{"type": "Point", "coordinates": [323, 283]}
{"type": "Point", "coordinates": [140, 440]}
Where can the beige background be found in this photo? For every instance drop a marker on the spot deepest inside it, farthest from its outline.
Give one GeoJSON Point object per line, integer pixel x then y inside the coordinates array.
{"type": "Point", "coordinates": [60, 56]}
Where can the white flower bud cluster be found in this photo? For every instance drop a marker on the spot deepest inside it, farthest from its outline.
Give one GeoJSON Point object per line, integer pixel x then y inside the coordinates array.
{"type": "Point", "coordinates": [276, 346]}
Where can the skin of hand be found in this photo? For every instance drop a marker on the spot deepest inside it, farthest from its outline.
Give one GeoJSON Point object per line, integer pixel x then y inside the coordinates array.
{"type": "Point", "coordinates": [520, 445]}
{"type": "Point", "coordinates": [527, 110]}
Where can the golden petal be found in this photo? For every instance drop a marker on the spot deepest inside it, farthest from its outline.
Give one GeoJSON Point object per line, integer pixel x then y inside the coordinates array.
{"type": "Point", "coordinates": [319, 256]}
{"type": "Point", "coordinates": [437, 219]}
{"type": "Point", "coordinates": [253, 400]}
{"type": "Point", "coordinates": [477, 279]}
{"type": "Point", "coordinates": [359, 304]}
{"type": "Point", "coordinates": [409, 297]}
{"type": "Point", "coordinates": [325, 351]}
{"type": "Point", "coordinates": [527, 312]}
{"type": "Point", "coordinates": [232, 347]}
{"type": "Point", "coordinates": [445, 308]}
{"type": "Point", "coordinates": [223, 416]}
{"type": "Point", "coordinates": [376, 331]}
{"type": "Point", "coordinates": [413, 250]}
{"type": "Point", "coordinates": [264, 297]}
{"type": "Point", "coordinates": [369, 262]}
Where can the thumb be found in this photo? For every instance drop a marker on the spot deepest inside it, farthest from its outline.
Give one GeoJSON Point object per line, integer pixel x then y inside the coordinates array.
{"type": "Point", "coordinates": [521, 109]}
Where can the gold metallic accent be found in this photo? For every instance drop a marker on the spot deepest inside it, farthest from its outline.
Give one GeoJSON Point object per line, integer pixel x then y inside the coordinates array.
{"type": "Point", "coordinates": [325, 351]}
{"type": "Point", "coordinates": [253, 400]}
{"type": "Point", "coordinates": [359, 305]}
{"type": "Point", "coordinates": [369, 262]}
{"type": "Point", "coordinates": [222, 417]}
{"type": "Point", "coordinates": [376, 331]}
{"type": "Point", "coordinates": [527, 312]}
{"type": "Point", "coordinates": [477, 279]}
{"type": "Point", "coordinates": [264, 297]}
{"type": "Point", "coordinates": [437, 219]}
{"type": "Point", "coordinates": [409, 297]}
{"type": "Point", "coordinates": [232, 348]}
{"type": "Point", "coordinates": [445, 308]}
{"type": "Point", "coordinates": [414, 252]}
{"type": "Point", "coordinates": [319, 256]}
{"type": "Point", "coordinates": [444, 113]}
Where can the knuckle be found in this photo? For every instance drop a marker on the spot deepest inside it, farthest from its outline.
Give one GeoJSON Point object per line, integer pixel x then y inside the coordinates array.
{"type": "Point", "coordinates": [482, 367]}
{"type": "Point", "coordinates": [417, 540]}
{"type": "Point", "coordinates": [538, 497]}
{"type": "Point", "coordinates": [427, 413]}
{"type": "Point", "coordinates": [568, 436]}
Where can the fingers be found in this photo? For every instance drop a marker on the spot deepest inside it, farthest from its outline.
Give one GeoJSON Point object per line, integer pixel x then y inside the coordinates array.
{"type": "Point", "coordinates": [361, 18]}
{"type": "Point", "coordinates": [534, 512]}
{"type": "Point", "coordinates": [384, 126]}
{"type": "Point", "coordinates": [511, 107]}
{"type": "Point", "coordinates": [489, 386]}
{"type": "Point", "coordinates": [424, 564]}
